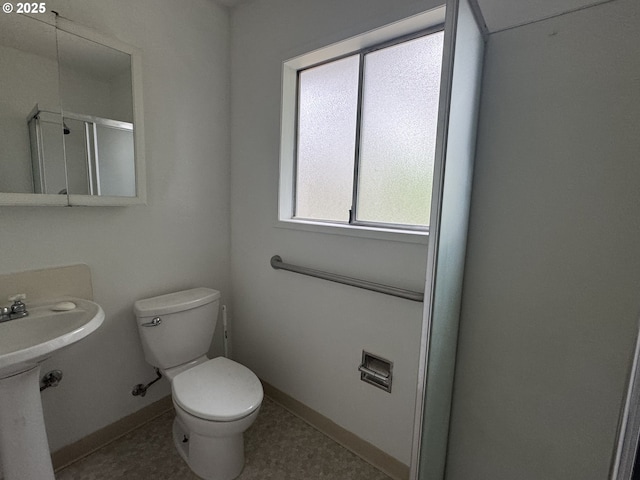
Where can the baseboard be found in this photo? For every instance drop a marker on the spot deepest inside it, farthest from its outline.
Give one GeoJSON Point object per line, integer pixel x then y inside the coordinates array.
{"type": "Point", "coordinates": [369, 453]}
{"type": "Point", "coordinates": [89, 444]}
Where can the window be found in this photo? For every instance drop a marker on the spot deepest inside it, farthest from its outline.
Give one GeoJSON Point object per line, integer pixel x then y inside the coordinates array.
{"type": "Point", "coordinates": [365, 134]}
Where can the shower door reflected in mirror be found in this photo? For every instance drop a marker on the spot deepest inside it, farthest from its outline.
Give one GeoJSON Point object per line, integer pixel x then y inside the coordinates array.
{"type": "Point", "coordinates": [100, 158]}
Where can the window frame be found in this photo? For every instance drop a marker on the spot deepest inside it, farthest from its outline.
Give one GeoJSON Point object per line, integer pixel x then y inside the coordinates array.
{"type": "Point", "coordinates": [416, 26]}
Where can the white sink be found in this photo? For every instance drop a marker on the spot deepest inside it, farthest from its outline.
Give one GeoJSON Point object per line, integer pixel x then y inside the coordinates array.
{"type": "Point", "coordinates": [24, 344]}
{"type": "Point", "coordinates": [27, 341]}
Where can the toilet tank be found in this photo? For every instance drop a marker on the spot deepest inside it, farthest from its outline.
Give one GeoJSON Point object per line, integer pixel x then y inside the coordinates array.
{"type": "Point", "coordinates": [187, 320]}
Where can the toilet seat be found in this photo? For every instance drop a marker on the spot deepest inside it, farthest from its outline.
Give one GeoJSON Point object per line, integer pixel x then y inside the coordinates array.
{"type": "Point", "coordinates": [219, 390]}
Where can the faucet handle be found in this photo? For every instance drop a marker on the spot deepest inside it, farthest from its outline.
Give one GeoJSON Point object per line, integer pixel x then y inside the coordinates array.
{"type": "Point", "coordinates": [19, 309]}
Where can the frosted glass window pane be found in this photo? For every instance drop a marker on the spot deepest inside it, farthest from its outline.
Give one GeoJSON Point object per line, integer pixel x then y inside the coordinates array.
{"type": "Point", "coordinates": [397, 139]}
{"type": "Point", "coordinates": [327, 105]}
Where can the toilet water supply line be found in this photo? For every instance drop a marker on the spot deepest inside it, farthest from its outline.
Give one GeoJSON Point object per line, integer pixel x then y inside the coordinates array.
{"type": "Point", "coordinates": [141, 389]}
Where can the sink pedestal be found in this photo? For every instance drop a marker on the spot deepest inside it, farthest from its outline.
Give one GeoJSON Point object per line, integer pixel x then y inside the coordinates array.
{"type": "Point", "coordinates": [24, 449]}
{"type": "Point", "coordinates": [24, 344]}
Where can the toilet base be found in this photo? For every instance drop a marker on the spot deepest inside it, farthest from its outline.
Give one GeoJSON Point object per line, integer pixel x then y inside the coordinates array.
{"type": "Point", "coordinates": [211, 458]}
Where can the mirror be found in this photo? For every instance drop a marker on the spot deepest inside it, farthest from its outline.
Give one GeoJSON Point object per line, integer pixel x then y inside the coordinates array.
{"type": "Point", "coordinates": [70, 116]}
{"type": "Point", "coordinates": [97, 103]}
{"type": "Point", "coordinates": [29, 77]}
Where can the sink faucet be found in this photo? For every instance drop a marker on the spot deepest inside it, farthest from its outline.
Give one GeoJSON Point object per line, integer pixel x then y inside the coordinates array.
{"type": "Point", "coordinates": [17, 310]}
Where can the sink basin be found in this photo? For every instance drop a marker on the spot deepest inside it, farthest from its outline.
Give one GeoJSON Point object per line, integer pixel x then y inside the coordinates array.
{"type": "Point", "coordinates": [24, 344]}
{"type": "Point", "coordinates": [27, 341]}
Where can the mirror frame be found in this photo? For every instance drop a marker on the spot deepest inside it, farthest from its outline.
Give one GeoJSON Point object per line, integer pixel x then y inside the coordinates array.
{"type": "Point", "coordinates": [31, 199]}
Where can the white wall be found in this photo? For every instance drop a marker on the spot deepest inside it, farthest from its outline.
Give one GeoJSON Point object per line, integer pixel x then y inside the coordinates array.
{"type": "Point", "coordinates": [120, 90]}
{"type": "Point", "coordinates": [305, 336]}
{"type": "Point", "coordinates": [85, 94]}
{"type": "Point", "coordinates": [179, 240]}
{"type": "Point", "coordinates": [552, 284]}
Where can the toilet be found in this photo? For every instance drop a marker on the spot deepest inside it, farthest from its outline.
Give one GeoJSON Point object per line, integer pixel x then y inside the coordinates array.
{"type": "Point", "coordinates": [215, 400]}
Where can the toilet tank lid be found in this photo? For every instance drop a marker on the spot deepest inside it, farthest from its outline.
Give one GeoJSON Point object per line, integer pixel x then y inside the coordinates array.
{"type": "Point", "coordinates": [175, 302]}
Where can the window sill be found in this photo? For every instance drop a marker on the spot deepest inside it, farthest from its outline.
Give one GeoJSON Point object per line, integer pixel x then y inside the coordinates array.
{"type": "Point", "coordinates": [376, 233]}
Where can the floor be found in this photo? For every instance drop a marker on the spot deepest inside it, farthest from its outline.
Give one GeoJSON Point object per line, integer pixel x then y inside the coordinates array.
{"type": "Point", "coordinates": [279, 446]}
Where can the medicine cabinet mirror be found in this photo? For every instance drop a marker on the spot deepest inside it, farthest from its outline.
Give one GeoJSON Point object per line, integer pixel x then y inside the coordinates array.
{"type": "Point", "coordinates": [71, 128]}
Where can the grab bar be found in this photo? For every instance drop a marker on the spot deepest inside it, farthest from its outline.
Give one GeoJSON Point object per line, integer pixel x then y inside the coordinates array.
{"type": "Point", "coordinates": [278, 264]}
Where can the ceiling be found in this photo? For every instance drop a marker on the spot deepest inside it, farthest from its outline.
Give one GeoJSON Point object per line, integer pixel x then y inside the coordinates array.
{"type": "Point", "coordinates": [503, 14]}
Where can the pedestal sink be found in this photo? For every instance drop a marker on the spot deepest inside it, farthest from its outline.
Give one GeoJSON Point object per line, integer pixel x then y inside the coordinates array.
{"type": "Point", "coordinates": [24, 344]}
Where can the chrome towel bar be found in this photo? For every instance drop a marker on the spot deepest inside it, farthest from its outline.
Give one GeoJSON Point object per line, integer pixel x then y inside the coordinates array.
{"type": "Point", "coordinates": [278, 264]}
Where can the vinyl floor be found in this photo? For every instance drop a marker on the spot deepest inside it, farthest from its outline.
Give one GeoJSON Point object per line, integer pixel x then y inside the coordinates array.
{"type": "Point", "coordinates": [279, 446]}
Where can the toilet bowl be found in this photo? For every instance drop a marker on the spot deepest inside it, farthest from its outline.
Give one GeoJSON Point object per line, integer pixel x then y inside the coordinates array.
{"type": "Point", "coordinates": [215, 400]}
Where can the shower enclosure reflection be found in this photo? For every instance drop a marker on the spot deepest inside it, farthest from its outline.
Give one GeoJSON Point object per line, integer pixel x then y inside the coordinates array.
{"type": "Point", "coordinates": [98, 152]}
{"type": "Point", "coordinates": [46, 142]}
{"type": "Point", "coordinates": [99, 156]}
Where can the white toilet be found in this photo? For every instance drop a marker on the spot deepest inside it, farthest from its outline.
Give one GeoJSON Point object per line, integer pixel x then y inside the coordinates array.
{"type": "Point", "coordinates": [215, 400]}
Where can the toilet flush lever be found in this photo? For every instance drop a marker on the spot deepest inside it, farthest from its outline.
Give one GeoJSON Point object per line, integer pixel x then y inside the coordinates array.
{"type": "Point", "coordinates": [153, 323]}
